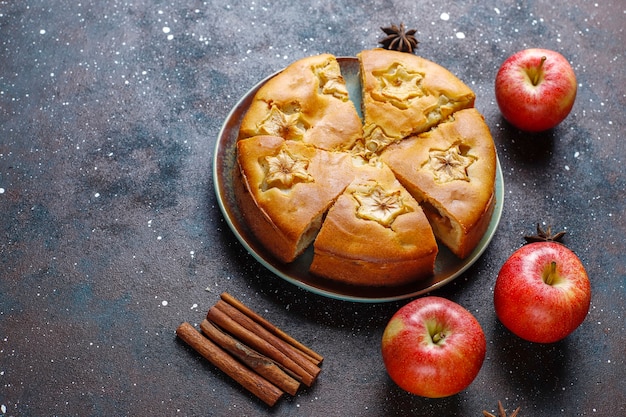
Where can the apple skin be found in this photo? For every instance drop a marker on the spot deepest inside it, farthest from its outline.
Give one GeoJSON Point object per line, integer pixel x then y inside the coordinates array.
{"type": "Point", "coordinates": [422, 365]}
{"type": "Point", "coordinates": [533, 95]}
{"type": "Point", "coordinates": [533, 309]}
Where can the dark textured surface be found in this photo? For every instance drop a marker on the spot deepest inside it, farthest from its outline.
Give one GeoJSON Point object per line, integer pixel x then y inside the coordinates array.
{"type": "Point", "coordinates": [111, 236]}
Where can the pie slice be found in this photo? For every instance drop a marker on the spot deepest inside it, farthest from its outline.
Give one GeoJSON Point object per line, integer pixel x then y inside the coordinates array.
{"type": "Point", "coordinates": [375, 234]}
{"type": "Point", "coordinates": [404, 94]}
{"type": "Point", "coordinates": [308, 101]}
{"type": "Point", "coordinates": [287, 186]}
{"type": "Point", "coordinates": [451, 171]}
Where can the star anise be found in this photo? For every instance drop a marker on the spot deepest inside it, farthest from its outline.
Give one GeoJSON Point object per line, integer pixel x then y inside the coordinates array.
{"type": "Point", "coordinates": [501, 411]}
{"type": "Point", "coordinates": [398, 39]}
{"type": "Point", "coordinates": [545, 236]}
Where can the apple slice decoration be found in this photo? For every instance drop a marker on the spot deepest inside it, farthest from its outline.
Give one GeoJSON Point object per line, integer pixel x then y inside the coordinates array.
{"type": "Point", "coordinates": [433, 347]}
{"type": "Point", "coordinates": [542, 292]}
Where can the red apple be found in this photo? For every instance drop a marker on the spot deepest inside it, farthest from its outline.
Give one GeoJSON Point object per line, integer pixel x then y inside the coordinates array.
{"type": "Point", "coordinates": [433, 347]}
{"type": "Point", "coordinates": [535, 89]}
{"type": "Point", "coordinates": [542, 293]}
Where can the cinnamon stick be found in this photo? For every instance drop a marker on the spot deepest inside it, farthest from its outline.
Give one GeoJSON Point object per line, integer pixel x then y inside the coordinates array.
{"type": "Point", "coordinates": [257, 385]}
{"type": "Point", "coordinates": [257, 362]}
{"type": "Point", "coordinates": [315, 357]}
{"type": "Point", "coordinates": [251, 339]}
{"type": "Point", "coordinates": [294, 354]}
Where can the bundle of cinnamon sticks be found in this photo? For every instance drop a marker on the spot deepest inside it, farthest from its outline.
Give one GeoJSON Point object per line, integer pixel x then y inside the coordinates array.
{"type": "Point", "coordinates": [251, 350]}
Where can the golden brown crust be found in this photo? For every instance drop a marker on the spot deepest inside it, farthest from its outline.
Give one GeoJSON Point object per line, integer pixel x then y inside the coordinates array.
{"type": "Point", "coordinates": [370, 248]}
{"type": "Point", "coordinates": [308, 101]}
{"type": "Point", "coordinates": [404, 94]}
{"type": "Point", "coordinates": [451, 171]}
{"type": "Point", "coordinates": [285, 214]}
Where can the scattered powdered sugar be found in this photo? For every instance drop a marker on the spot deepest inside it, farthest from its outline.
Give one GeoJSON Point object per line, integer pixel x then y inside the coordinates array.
{"type": "Point", "coordinates": [446, 17]}
{"type": "Point", "coordinates": [167, 31]}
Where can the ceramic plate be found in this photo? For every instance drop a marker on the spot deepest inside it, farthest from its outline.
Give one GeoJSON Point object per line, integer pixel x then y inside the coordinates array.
{"type": "Point", "coordinates": [447, 266]}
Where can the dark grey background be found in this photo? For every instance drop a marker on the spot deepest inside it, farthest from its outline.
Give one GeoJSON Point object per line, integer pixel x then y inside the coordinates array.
{"type": "Point", "coordinates": [111, 236]}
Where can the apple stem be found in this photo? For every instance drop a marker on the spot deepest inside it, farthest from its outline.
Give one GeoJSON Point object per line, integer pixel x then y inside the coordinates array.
{"type": "Point", "coordinates": [537, 73]}
{"type": "Point", "coordinates": [550, 274]}
{"type": "Point", "coordinates": [437, 337]}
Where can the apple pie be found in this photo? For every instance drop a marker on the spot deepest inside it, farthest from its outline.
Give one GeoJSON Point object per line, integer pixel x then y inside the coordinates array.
{"type": "Point", "coordinates": [372, 198]}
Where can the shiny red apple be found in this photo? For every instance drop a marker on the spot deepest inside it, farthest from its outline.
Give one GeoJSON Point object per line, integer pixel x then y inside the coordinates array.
{"type": "Point", "coordinates": [433, 347]}
{"type": "Point", "coordinates": [542, 292]}
{"type": "Point", "coordinates": [535, 89]}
